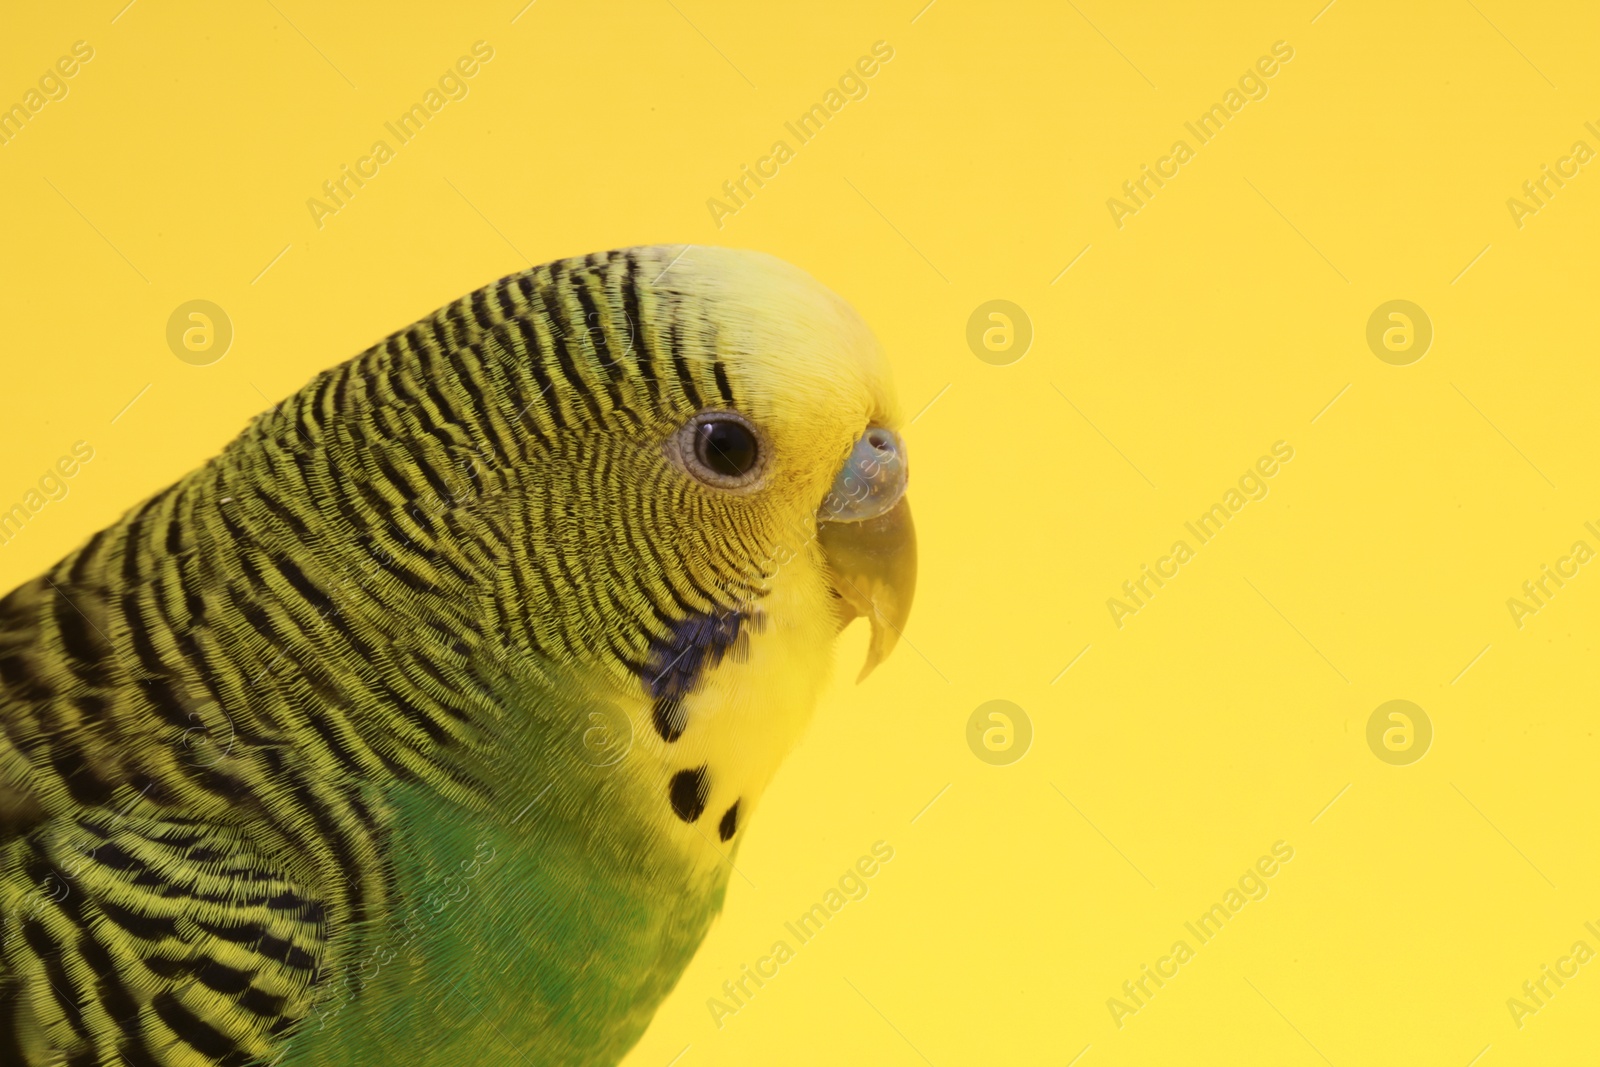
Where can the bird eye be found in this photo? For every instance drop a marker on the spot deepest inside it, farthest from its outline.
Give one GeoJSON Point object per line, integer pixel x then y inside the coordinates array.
{"type": "Point", "coordinates": [725, 446]}
{"type": "Point", "coordinates": [721, 449]}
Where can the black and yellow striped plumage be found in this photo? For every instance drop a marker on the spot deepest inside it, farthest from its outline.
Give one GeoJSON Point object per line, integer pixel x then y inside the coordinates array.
{"type": "Point", "coordinates": [239, 727]}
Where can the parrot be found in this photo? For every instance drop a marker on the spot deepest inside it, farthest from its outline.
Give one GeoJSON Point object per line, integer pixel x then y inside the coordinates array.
{"type": "Point", "coordinates": [423, 723]}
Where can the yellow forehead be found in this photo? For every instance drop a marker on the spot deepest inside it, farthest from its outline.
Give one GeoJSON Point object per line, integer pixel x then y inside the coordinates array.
{"type": "Point", "coordinates": [802, 363]}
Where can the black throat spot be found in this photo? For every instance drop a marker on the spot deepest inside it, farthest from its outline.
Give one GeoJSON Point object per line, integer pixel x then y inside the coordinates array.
{"type": "Point", "coordinates": [687, 793]}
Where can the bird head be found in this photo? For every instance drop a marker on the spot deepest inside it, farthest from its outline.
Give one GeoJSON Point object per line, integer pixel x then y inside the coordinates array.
{"type": "Point", "coordinates": [720, 426]}
{"type": "Point", "coordinates": [804, 441]}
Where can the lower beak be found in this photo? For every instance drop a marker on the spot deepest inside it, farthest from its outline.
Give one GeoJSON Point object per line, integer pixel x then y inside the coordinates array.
{"type": "Point", "coordinates": [873, 563]}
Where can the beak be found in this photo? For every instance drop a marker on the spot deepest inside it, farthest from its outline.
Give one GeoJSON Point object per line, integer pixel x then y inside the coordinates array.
{"type": "Point", "coordinates": [870, 542]}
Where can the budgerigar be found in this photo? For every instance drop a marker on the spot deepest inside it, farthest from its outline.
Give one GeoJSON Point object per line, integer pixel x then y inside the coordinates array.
{"type": "Point", "coordinates": [422, 724]}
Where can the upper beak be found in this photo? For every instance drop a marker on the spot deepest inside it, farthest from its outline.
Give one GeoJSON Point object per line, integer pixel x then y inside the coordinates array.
{"type": "Point", "coordinates": [870, 542]}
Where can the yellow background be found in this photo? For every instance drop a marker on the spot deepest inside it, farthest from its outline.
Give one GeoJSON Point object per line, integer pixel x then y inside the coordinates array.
{"type": "Point", "coordinates": [1221, 318]}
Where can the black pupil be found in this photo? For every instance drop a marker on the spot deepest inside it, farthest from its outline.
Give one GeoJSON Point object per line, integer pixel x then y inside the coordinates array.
{"type": "Point", "coordinates": [727, 447]}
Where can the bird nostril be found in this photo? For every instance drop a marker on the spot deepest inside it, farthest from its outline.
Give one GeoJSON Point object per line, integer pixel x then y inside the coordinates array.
{"type": "Point", "coordinates": [881, 440]}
